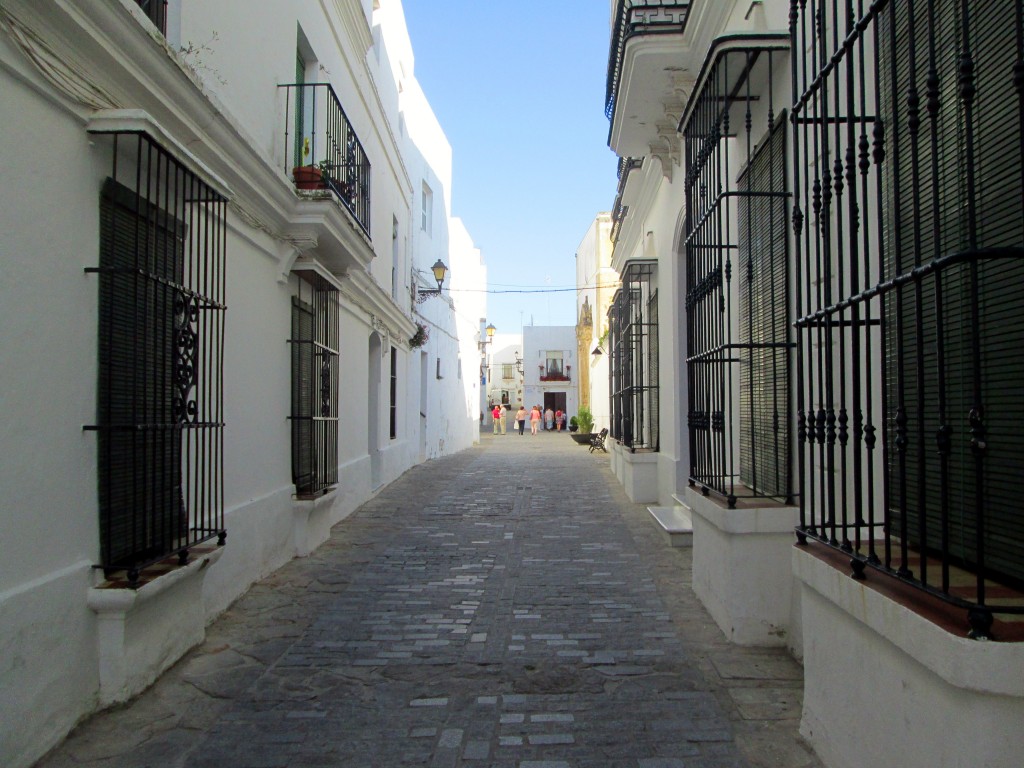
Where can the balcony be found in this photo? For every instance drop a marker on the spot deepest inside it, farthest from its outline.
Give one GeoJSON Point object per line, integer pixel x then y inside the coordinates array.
{"type": "Point", "coordinates": [647, 81]}
{"type": "Point", "coordinates": [621, 208]}
{"type": "Point", "coordinates": [555, 373]}
{"type": "Point", "coordinates": [323, 155]}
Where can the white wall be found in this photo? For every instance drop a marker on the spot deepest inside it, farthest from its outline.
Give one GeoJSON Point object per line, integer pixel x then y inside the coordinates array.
{"type": "Point", "coordinates": [228, 112]}
{"type": "Point", "coordinates": [504, 349]}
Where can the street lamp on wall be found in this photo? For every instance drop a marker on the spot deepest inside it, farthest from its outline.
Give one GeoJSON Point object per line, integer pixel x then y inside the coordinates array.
{"type": "Point", "coordinates": [440, 270]}
{"type": "Point", "coordinates": [489, 330]}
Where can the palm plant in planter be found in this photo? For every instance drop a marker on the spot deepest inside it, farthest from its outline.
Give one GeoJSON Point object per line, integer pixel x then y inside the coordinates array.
{"type": "Point", "coordinates": [585, 421]}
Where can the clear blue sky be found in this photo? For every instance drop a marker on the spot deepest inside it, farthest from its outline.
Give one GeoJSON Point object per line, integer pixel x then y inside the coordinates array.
{"type": "Point", "coordinates": [519, 90]}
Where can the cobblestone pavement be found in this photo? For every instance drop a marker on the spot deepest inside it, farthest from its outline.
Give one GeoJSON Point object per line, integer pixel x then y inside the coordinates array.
{"type": "Point", "coordinates": [507, 606]}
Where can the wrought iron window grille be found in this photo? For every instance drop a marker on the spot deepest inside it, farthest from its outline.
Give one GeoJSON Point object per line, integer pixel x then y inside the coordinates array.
{"type": "Point", "coordinates": [393, 397]}
{"type": "Point", "coordinates": [633, 358]}
{"type": "Point", "coordinates": [160, 398]}
{"type": "Point", "coordinates": [322, 150]}
{"type": "Point", "coordinates": [315, 351]}
{"type": "Point", "coordinates": [736, 253]}
{"type": "Point", "coordinates": [908, 232]}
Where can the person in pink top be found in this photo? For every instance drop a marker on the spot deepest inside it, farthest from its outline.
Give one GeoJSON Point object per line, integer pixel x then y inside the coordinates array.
{"type": "Point", "coordinates": [535, 418]}
{"type": "Point", "coordinates": [521, 419]}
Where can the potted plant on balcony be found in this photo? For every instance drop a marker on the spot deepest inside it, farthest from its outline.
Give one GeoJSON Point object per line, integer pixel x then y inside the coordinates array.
{"type": "Point", "coordinates": [308, 176]}
{"type": "Point", "coordinates": [585, 422]}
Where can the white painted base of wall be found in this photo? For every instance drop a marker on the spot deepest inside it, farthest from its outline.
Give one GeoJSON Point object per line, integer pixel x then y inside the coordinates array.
{"type": "Point", "coordinates": [637, 472]}
{"type": "Point", "coordinates": [742, 572]}
{"type": "Point", "coordinates": [48, 673]}
{"type": "Point", "coordinates": [884, 685]}
{"type": "Point", "coordinates": [141, 632]}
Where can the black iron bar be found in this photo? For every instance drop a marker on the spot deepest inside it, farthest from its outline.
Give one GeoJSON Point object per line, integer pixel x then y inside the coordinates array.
{"type": "Point", "coordinates": [914, 125]}
{"type": "Point", "coordinates": [977, 414]}
{"type": "Point", "coordinates": [942, 435]}
{"type": "Point", "coordinates": [748, 127]}
{"type": "Point", "coordinates": [806, 522]}
{"type": "Point", "coordinates": [841, 164]}
{"type": "Point", "coordinates": [913, 275]}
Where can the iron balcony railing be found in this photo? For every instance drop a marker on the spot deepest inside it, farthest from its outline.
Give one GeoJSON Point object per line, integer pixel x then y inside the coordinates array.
{"type": "Point", "coordinates": [322, 151]}
{"type": "Point", "coordinates": [908, 223]}
{"type": "Point", "coordinates": [619, 211]}
{"type": "Point", "coordinates": [639, 17]}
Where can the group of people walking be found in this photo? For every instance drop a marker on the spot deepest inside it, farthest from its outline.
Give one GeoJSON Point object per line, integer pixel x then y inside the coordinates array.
{"type": "Point", "coordinates": [550, 419]}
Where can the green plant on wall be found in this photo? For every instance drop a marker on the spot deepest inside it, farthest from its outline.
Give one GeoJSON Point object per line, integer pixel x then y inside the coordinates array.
{"type": "Point", "coordinates": [585, 419]}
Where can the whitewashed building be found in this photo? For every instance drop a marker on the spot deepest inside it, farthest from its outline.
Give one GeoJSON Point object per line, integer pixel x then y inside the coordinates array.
{"type": "Point", "coordinates": [550, 369]}
{"type": "Point", "coordinates": [212, 241]}
{"type": "Point", "coordinates": [820, 231]}
{"type": "Point", "coordinates": [596, 284]}
{"type": "Point", "coordinates": [504, 370]}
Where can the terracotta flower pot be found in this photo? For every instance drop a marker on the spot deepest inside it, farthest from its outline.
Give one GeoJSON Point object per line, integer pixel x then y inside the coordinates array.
{"type": "Point", "coordinates": [308, 177]}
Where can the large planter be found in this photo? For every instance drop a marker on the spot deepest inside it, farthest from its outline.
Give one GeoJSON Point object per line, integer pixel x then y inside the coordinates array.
{"type": "Point", "coordinates": [583, 438]}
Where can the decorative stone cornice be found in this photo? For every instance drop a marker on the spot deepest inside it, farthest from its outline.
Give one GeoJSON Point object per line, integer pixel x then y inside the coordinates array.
{"type": "Point", "coordinates": [383, 315]}
{"type": "Point", "coordinates": [64, 74]}
{"type": "Point", "coordinates": [351, 13]}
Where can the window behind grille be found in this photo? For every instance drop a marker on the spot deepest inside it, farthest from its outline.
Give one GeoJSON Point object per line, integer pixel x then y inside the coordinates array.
{"type": "Point", "coordinates": [928, 216]}
{"type": "Point", "coordinates": [141, 312]}
{"type": "Point", "coordinates": [763, 319]}
{"type": "Point", "coordinates": [315, 386]}
{"type": "Point", "coordinates": [156, 10]}
{"type": "Point", "coordinates": [394, 394]}
{"type": "Point", "coordinates": [160, 350]}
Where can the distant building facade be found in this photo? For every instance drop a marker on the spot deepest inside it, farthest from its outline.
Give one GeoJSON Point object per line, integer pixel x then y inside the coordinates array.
{"type": "Point", "coordinates": [550, 367]}
{"type": "Point", "coordinates": [505, 370]}
{"type": "Point", "coordinates": [596, 285]}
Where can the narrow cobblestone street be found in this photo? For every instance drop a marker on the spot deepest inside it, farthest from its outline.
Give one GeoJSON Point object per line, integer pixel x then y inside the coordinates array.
{"type": "Point", "coordinates": [507, 606]}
